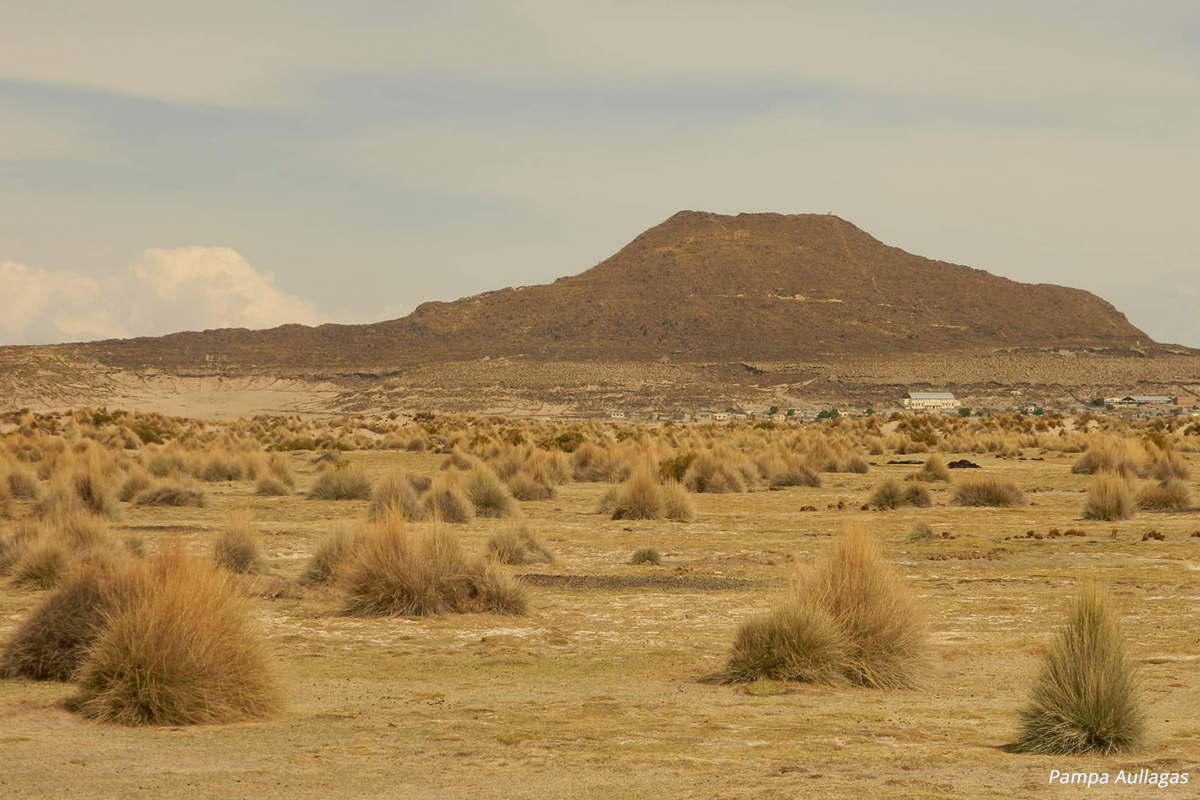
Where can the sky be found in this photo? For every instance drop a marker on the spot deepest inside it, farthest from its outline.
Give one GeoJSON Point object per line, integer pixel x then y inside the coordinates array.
{"type": "Point", "coordinates": [168, 166]}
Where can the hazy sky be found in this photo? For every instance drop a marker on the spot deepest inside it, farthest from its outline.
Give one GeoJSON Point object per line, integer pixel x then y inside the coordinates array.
{"type": "Point", "coordinates": [189, 165]}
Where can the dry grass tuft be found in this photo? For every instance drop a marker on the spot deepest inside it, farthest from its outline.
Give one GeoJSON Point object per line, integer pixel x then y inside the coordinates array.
{"type": "Point", "coordinates": [1109, 497]}
{"type": "Point", "coordinates": [524, 486]}
{"type": "Point", "coordinates": [236, 548]}
{"type": "Point", "coordinates": [348, 483]}
{"type": "Point", "coordinates": [849, 618]}
{"type": "Point", "coordinates": [447, 502]}
{"type": "Point", "coordinates": [714, 474]}
{"type": "Point", "coordinates": [395, 493]}
{"type": "Point", "coordinates": [23, 484]}
{"type": "Point", "coordinates": [329, 556]}
{"type": "Point", "coordinates": [989, 491]}
{"type": "Point", "coordinates": [515, 545]}
{"type": "Point", "coordinates": [1086, 698]}
{"type": "Point", "coordinates": [52, 643]}
{"type": "Point", "coordinates": [893, 493]}
{"type": "Point", "coordinates": [1167, 495]}
{"type": "Point", "coordinates": [138, 481]}
{"type": "Point", "coordinates": [640, 497]}
{"type": "Point", "coordinates": [171, 493]}
{"type": "Point", "coordinates": [677, 503]}
{"type": "Point", "coordinates": [646, 555]}
{"type": "Point", "coordinates": [42, 563]}
{"type": "Point", "coordinates": [488, 493]}
{"type": "Point", "coordinates": [792, 471]}
{"type": "Point", "coordinates": [399, 571]}
{"type": "Point", "coordinates": [933, 470]}
{"type": "Point", "coordinates": [178, 649]}
{"type": "Point", "coordinates": [268, 485]}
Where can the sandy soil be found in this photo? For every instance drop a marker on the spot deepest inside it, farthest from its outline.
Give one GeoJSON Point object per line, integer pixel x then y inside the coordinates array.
{"type": "Point", "coordinates": [600, 691]}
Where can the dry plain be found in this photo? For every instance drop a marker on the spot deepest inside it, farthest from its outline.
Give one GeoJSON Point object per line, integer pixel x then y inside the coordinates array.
{"type": "Point", "coordinates": [601, 690]}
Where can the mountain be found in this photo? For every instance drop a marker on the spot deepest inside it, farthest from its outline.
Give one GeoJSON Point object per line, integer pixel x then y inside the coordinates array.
{"type": "Point", "coordinates": [698, 287]}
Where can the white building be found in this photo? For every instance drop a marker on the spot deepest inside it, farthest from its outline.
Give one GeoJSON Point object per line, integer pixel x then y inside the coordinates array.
{"type": "Point", "coordinates": [930, 401]}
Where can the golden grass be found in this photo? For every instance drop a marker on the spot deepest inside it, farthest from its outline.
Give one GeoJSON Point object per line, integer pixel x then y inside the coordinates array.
{"type": "Point", "coordinates": [329, 556]}
{"type": "Point", "coordinates": [849, 617]}
{"type": "Point", "coordinates": [179, 648]}
{"type": "Point", "coordinates": [1171, 494]}
{"type": "Point", "coordinates": [646, 555]}
{"type": "Point", "coordinates": [236, 547]}
{"type": "Point", "coordinates": [349, 483]}
{"type": "Point", "coordinates": [1086, 699]}
{"type": "Point", "coordinates": [1109, 497]}
{"type": "Point", "coordinates": [988, 491]}
{"type": "Point", "coordinates": [171, 493]}
{"type": "Point", "coordinates": [515, 545]}
{"type": "Point", "coordinates": [447, 502]}
{"type": "Point", "coordinates": [397, 570]}
{"type": "Point", "coordinates": [395, 493]}
{"type": "Point", "coordinates": [893, 493]}
{"type": "Point", "coordinates": [488, 494]}
{"type": "Point", "coordinates": [934, 469]}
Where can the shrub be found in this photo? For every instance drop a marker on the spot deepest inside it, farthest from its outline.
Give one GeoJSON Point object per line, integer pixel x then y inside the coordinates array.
{"type": "Point", "coordinates": [446, 501]}
{"type": "Point", "coordinates": [171, 493]}
{"type": "Point", "coordinates": [268, 485]}
{"type": "Point", "coordinates": [988, 491]}
{"type": "Point", "coordinates": [934, 469]}
{"type": "Point", "coordinates": [677, 503]}
{"type": "Point", "coordinates": [236, 547]}
{"type": "Point", "coordinates": [397, 571]}
{"type": "Point", "coordinates": [1167, 495]}
{"type": "Point", "coordinates": [488, 493]}
{"type": "Point", "coordinates": [52, 643]}
{"type": "Point", "coordinates": [395, 493]}
{"type": "Point", "coordinates": [350, 483]}
{"type": "Point", "coordinates": [516, 545]}
{"type": "Point", "coordinates": [646, 555]}
{"type": "Point", "coordinates": [848, 618]}
{"type": "Point", "coordinates": [1086, 698]}
{"type": "Point", "coordinates": [328, 557]}
{"type": "Point", "coordinates": [893, 493]}
{"type": "Point", "coordinates": [1109, 497]}
{"type": "Point", "coordinates": [179, 649]}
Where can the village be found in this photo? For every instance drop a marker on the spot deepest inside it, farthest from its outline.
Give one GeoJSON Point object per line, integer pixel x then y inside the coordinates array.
{"type": "Point", "coordinates": [1130, 407]}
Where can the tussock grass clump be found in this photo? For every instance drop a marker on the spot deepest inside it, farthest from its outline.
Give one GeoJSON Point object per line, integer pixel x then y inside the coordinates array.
{"type": "Point", "coordinates": [893, 493]}
{"type": "Point", "coordinates": [714, 474]}
{"type": "Point", "coordinates": [988, 491]}
{"type": "Point", "coordinates": [52, 643]}
{"type": "Point", "coordinates": [677, 503]}
{"type": "Point", "coordinates": [395, 493]}
{"type": "Point", "coordinates": [347, 483]}
{"type": "Point", "coordinates": [397, 570]}
{"type": "Point", "coordinates": [1086, 698]}
{"type": "Point", "coordinates": [921, 532]}
{"type": "Point", "coordinates": [236, 548]}
{"type": "Point", "coordinates": [1166, 466]}
{"type": "Point", "coordinates": [516, 545]}
{"type": "Point", "coordinates": [82, 531]}
{"type": "Point", "coordinates": [279, 468]}
{"type": "Point", "coordinates": [646, 555]}
{"type": "Point", "coordinates": [488, 493]}
{"type": "Point", "coordinates": [934, 469]}
{"type": "Point", "coordinates": [639, 498]}
{"type": "Point", "coordinates": [1109, 497]}
{"type": "Point", "coordinates": [137, 481]}
{"type": "Point", "coordinates": [524, 486]}
{"type": "Point", "coordinates": [23, 484]}
{"type": "Point", "coordinates": [95, 492]}
{"type": "Point", "coordinates": [171, 493]}
{"type": "Point", "coordinates": [849, 618]}
{"type": "Point", "coordinates": [446, 501]}
{"type": "Point", "coordinates": [178, 649]}
{"type": "Point", "coordinates": [268, 485]}
{"type": "Point", "coordinates": [1120, 457]}
{"type": "Point", "coordinates": [42, 563]}
{"type": "Point", "coordinates": [1167, 495]}
{"type": "Point", "coordinates": [329, 556]}
{"type": "Point", "coordinates": [792, 471]}
{"type": "Point", "coordinates": [7, 506]}
{"type": "Point", "coordinates": [219, 467]}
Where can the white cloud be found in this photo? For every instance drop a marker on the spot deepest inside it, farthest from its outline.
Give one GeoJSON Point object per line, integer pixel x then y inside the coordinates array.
{"type": "Point", "coordinates": [162, 291]}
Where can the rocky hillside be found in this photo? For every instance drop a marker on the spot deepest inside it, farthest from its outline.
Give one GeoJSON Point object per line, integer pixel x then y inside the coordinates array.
{"type": "Point", "coordinates": [698, 287]}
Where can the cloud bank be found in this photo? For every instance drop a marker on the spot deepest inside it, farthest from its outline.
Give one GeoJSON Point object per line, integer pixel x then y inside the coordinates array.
{"type": "Point", "coordinates": [162, 291]}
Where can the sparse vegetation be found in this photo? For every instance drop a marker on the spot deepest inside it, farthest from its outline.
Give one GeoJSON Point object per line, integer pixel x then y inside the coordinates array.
{"type": "Point", "coordinates": [646, 555]}
{"type": "Point", "coordinates": [1166, 495]}
{"type": "Point", "coordinates": [515, 545]}
{"type": "Point", "coordinates": [236, 548]}
{"type": "Point", "coordinates": [893, 494]}
{"type": "Point", "coordinates": [1109, 497]}
{"type": "Point", "coordinates": [350, 483]}
{"type": "Point", "coordinates": [989, 491]}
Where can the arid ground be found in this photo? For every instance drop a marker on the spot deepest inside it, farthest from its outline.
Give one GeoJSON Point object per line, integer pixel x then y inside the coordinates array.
{"type": "Point", "coordinates": [601, 691]}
